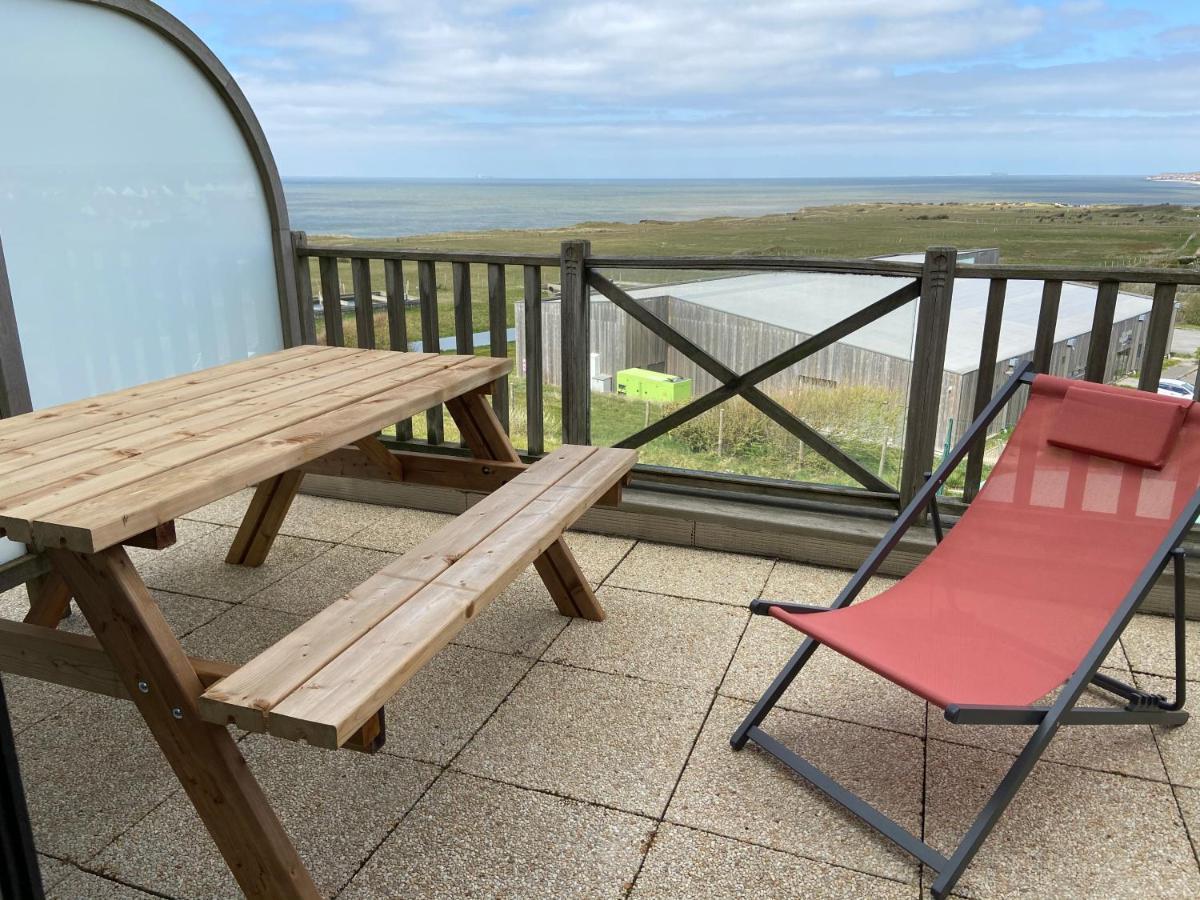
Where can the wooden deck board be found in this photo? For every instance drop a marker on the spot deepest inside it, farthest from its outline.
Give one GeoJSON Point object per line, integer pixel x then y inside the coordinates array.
{"type": "Point", "coordinates": [278, 411]}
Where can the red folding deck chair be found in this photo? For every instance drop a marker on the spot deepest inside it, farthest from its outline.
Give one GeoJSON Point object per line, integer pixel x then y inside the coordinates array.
{"type": "Point", "coordinates": [1028, 592]}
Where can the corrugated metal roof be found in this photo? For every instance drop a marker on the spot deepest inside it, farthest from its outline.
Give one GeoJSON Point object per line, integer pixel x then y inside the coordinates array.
{"type": "Point", "coordinates": [809, 302]}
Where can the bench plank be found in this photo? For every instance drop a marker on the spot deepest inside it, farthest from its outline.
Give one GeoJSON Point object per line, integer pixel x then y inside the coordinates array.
{"type": "Point", "coordinates": [266, 680]}
{"type": "Point", "coordinates": [432, 600]}
{"type": "Point", "coordinates": [334, 702]}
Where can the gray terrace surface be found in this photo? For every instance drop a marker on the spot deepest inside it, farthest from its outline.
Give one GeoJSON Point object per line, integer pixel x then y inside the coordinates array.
{"type": "Point", "coordinates": [808, 302]}
{"type": "Point", "coordinates": [540, 757]}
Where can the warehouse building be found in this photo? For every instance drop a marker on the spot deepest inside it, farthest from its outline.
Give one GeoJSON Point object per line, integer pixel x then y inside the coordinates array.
{"type": "Point", "coordinates": [743, 320]}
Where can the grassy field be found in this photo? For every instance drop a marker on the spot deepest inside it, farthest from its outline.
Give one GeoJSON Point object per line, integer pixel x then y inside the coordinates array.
{"type": "Point", "coordinates": [1030, 233]}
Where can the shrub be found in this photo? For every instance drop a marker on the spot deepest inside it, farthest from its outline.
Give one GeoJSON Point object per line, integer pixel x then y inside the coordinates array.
{"type": "Point", "coordinates": [733, 427]}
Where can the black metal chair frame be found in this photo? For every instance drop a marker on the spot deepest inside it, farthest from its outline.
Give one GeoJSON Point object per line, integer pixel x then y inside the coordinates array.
{"type": "Point", "coordinates": [1142, 708]}
{"type": "Point", "coordinates": [19, 875]}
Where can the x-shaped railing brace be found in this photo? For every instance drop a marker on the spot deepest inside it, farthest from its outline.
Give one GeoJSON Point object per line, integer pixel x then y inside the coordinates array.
{"type": "Point", "coordinates": [733, 384]}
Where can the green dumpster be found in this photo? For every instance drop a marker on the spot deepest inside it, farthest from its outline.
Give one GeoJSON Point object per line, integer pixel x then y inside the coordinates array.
{"type": "Point", "coordinates": [656, 387]}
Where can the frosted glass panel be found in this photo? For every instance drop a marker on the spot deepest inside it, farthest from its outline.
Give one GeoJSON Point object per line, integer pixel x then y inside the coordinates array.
{"type": "Point", "coordinates": [134, 224]}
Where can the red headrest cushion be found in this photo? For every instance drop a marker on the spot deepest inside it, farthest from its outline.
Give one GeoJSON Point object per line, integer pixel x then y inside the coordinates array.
{"type": "Point", "coordinates": [1130, 426]}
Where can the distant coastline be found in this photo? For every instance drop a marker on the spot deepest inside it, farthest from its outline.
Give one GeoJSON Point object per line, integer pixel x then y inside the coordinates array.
{"type": "Point", "coordinates": [1177, 177]}
{"type": "Point", "coordinates": [399, 207]}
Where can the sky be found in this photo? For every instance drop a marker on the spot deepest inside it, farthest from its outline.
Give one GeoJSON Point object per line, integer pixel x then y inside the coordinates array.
{"type": "Point", "coordinates": [714, 88]}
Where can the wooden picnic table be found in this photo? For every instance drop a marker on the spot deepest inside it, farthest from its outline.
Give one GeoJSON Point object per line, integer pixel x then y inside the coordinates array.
{"type": "Point", "coordinates": [81, 481]}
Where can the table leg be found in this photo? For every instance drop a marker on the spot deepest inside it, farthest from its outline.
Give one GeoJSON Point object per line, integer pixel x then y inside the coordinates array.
{"type": "Point", "coordinates": [263, 519]}
{"type": "Point", "coordinates": [49, 600]}
{"type": "Point", "coordinates": [165, 688]}
{"type": "Point", "coordinates": [559, 571]}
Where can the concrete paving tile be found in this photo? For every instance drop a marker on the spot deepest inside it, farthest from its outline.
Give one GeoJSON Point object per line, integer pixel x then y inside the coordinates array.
{"type": "Point", "coordinates": [30, 701]}
{"type": "Point", "coordinates": [1149, 643]}
{"type": "Point", "coordinates": [473, 838]}
{"type": "Point", "coordinates": [688, 572]}
{"type": "Point", "coordinates": [651, 636]}
{"type": "Point", "coordinates": [400, 531]}
{"type": "Point", "coordinates": [54, 871]}
{"type": "Point", "coordinates": [1180, 746]}
{"type": "Point", "coordinates": [1189, 802]}
{"type": "Point", "coordinates": [14, 603]}
{"type": "Point", "coordinates": [226, 511]}
{"type": "Point", "coordinates": [1125, 749]}
{"type": "Point", "coordinates": [828, 685]}
{"type": "Point", "coordinates": [590, 736]}
{"type": "Point", "coordinates": [241, 633]}
{"type": "Point", "coordinates": [182, 612]}
{"type": "Point", "coordinates": [186, 531]}
{"type": "Point", "coordinates": [313, 586]}
{"type": "Point", "coordinates": [327, 519]}
{"type": "Point", "coordinates": [336, 806]}
{"type": "Point", "coordinates": [597, 554]}
{"type": "Point", "coordinates": [199, 568]}
{"type": "Point", "coordinates": [435, 714]}
{"type": "Point", "coordinates": [522, 621]}
{"type": "Point", "coordinates": [749, 795]}
{"type": "Point", "coordinates": [1070, 832]}
{"type": "Point", "coordinates": [818, 585]}
{"type": "Point", "coordinates": [683, 862]}
{"type": "Point", "coordinates": [90, 772]}
{"type": "Point", "coordinates": [86, 886]}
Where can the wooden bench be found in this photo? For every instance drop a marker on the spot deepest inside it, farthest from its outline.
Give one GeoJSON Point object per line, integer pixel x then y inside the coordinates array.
{"type": "Point", "coordinates": [332, 675]}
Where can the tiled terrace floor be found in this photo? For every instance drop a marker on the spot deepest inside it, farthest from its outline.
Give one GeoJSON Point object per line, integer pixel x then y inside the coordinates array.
{"type": "Point", "coordinates": [537, 757]}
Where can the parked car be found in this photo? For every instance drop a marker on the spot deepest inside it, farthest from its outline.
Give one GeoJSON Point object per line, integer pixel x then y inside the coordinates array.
{"type": "Point", "coordinates": [1173, 387]}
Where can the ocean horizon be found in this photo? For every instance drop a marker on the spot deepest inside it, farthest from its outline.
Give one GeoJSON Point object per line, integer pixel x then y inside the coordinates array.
{"type": "Point", "coordinates": [400, 207]}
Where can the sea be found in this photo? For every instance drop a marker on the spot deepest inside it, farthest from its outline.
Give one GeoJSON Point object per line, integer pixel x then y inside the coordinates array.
{"type": "Point", "coordinates": [397, 207]}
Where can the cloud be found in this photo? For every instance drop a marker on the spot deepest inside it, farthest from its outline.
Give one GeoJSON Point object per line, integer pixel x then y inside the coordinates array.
{"type": "Point", "coordinates": [376, 78]}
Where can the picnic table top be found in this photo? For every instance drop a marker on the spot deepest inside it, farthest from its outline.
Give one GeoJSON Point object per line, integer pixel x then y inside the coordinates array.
{"type": "Point", "coordinates": [90, 474]}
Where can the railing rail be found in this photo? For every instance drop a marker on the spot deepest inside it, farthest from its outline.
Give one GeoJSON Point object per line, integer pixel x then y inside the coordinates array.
{"type": "Point", "coordinates": [930, 284]}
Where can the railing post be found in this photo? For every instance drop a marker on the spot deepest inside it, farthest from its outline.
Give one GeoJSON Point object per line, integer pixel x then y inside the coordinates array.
{"type": "Point", "coordinates": [308, 324]}
{"type": "Point", "coordinates": [928, 364]}
{"type": "Point", "coordinates": [576, 343]}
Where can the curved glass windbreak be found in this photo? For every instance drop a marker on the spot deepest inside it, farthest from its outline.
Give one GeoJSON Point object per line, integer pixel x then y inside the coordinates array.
{"type": "Point", "coordinates": [134, 223]}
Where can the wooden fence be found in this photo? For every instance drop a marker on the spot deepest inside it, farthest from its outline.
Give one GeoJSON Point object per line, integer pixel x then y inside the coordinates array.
{"type": "Point", "coordinates": [930, 285]}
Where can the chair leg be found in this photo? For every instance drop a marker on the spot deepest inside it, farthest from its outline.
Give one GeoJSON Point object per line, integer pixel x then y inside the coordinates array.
{"type": "Point", "coordinates": [986, 820]}
{"type": "Point", "coordinates": [768, 700]}
{"type": "Point", "coordinates": [1179, 571]}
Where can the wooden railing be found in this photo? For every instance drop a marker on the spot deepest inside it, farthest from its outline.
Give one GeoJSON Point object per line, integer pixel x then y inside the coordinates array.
{"type": "Point", "coordinates": [930, 284]}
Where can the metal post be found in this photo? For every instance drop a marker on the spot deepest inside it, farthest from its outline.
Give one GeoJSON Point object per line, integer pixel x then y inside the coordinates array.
{"type": "Point", "coordinates": [19, 875]}
{"type": "Point", "coordinates": [14, 386]}
{"type": "Point", "coordinates": [576, 343]}
{"type": "Point", "coordinates": [928, 364]}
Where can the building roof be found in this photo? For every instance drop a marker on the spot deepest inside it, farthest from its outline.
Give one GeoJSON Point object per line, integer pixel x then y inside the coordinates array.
{"type": "Point", "coordinates": [809, 302]}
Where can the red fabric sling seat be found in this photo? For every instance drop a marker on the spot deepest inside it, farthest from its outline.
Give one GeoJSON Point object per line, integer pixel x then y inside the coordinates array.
{"type": "Point", "coordinates": [1007, 605]}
